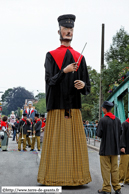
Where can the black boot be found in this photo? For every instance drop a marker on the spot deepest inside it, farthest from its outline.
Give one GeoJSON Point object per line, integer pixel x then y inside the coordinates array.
{"type": "Point", "coordinates": [118, 192]}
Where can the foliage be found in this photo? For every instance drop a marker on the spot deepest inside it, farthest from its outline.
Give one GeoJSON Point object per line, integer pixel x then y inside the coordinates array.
{"type": "Point", "coordinates": [90, 102]}
{"type": "Point", "coordinates": [19, 112]}
{"type": "Point", "coordinates": [119, 50]}
{"type": "Point", "coordinates": [41, 105]}
{"type": "Point", "coordinates": [117, 58]}
{"type": "Point", "coordinates": [110, 75]}
{"type": "Point", "coordinates": [40, 96]}
{"type": "Point", "coordinates": [86, 111]}
{"type": "Point", "coordinates": [14, 98]}
{"type": "Point", "coordinates": [123, 74]}
{"type": "Point", "coordinates": [6, 94]}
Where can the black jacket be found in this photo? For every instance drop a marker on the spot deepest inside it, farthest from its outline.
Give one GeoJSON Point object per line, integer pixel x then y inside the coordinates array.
{"type": "Point", "coordinates": [109, 131]}
{"type": "Point", "coordinates": [124, 143]}
{"type": "Point", "coordinates": [60, 90]}
{"type": "Point", "coordinates": [16, 126]}
{"type": "Point", "coordinates": [37, 127]}
{"type": "Point", "coordinates": [25, 127]}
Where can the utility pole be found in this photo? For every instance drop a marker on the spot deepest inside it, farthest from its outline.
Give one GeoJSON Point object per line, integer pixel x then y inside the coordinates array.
{"type": "Point", "coordinates": [101, 68]}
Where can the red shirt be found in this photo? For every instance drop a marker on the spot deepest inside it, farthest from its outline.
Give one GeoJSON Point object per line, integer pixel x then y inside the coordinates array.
{"type": "Point", "coordinates": [43, 123]}
{"type": "Point", "coordinates": [0, 125]}
{"type": "Point", "coordinates": [4, 124]}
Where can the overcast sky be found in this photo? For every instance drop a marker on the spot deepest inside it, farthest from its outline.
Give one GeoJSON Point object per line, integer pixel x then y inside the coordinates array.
{"type": "Point", "coordinates": [28, 29]}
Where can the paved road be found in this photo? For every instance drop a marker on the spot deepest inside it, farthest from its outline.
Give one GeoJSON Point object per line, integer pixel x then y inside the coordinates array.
{"type": "Point", "coordinates": [21, 168]}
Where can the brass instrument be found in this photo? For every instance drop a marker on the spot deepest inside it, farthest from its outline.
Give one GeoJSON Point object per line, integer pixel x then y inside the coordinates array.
{"type": "Point", "coordinates": [30, 136]}
{"type": "Point", "coordinates": [34, 129]}
{"type": "Point", "coordinates": [21, 130]}
{"type": "Point", "coordinates": [42, 129]}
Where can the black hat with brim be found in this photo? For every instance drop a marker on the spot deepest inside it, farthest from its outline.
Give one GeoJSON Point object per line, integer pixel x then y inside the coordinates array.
{"type": "Point", "coordinates": [108, 105]}
{"type": "Point", "coordinates": [66, 20]}
{"type": "Point", "coordinates": [36, 115]}
{"type": "Point", "coordinates": [25, 114]}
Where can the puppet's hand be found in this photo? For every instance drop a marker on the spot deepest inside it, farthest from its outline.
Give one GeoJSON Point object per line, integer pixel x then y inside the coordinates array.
{"type": "Point", "coordinates": [70, 68]}
{"type": "Point", "coordinates": [79, 84]}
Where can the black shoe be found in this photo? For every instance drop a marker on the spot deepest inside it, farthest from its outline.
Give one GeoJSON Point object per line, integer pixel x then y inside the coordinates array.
{"type": "Point", "coordinates": [118, 192]}
{"type": "Point", "coordinates": [4, 150]}
{"type": "Point", "coordinates": [39, 150]}
{"type": "Point", "coordinates": [126, 183]}
{"type": "Point", "coordinates": [19, 150]}
{"type": "Point", "coordinates": [103, 192]}
{"type": "Point", "coordinates": [29, 146]}
{"type": "Point", "coordinates": [31, 150]}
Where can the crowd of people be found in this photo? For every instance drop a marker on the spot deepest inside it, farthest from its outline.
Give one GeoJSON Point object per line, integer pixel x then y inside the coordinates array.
{"type": "Point", "coordinates": [26, 130]}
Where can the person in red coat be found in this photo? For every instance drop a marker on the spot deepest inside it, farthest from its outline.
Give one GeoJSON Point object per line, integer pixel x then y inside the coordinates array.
{"type": "Point", "coordinates": [4, 144]}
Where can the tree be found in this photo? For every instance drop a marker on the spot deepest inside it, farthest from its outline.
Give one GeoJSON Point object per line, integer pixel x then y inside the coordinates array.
{"type": "Point", "coordinates": [117, 57]}
{"type": "Point", "coordinates": [119, 50]}
{"type": "Point", "coordinates": [41, 105]}
{"type": "Point", "coordinates": [6, 94]}
{"type": "Point", "coordinates": [40, 96]}
{"type": "Point", "coordinates": [14, 98]}
{"type": "Point", "coordinates": [90, 101]}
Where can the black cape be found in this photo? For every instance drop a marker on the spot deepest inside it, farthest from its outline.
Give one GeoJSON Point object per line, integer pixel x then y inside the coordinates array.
{"type": "Point", "coordinates": [37, 127]}
{"type": "Point", "coordinates": [25, 127]}
{"type": "Point", "coordinates": [109, 131]}
{"type": "Point", "coordinates": [60, 90]}
{"type": "Point", "coordinates": [124, 143]}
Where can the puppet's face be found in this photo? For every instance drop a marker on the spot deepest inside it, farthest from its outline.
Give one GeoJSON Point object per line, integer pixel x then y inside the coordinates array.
{"type": "Point", "coordinates": [66, 33]}
{"type": "Point", "coordinates": [30, 106]}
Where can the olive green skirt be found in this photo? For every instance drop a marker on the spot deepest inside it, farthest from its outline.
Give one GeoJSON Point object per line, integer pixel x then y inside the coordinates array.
{"type": "Point", "coordinates": [64, 158]}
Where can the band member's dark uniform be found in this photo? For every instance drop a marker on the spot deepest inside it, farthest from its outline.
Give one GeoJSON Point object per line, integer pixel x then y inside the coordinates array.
{"type": "Point", "coordinates": [24, 126]}
{"type": "Point", "coordinates": [124, 158]}
{"type": "Point", "coordinates": [64, 158]}
{"type": "Point", "coordinates": [109, 130]}
{"type": "Point", "coordinates": [36, 132]}
{"type": "Point", "coordinates": [0, 130]}
{"type": "Point", "coordinates": [43, 120]}
{"type": "Point", "coordinates": [15, 127]}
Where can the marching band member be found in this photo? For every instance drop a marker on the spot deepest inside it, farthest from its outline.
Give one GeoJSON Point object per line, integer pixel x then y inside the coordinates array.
{"type": "Point", "coordinates": [63, 161]}
{"type": "Point", "coordinates": [109, 130]}
{"type": "Point", "coordinates": [30, 111]}
{"type": "Point", "coordinates": [0, 130]}
{"type": "Point", "coordinates": [15, 126]}
{"type": "Point", "coordinates": [29, 133]}
{"type": "Point", "coordinates": [124, 157]}
{"type": "Point", "coordinates": [24, 126]}
{"type": "Point", "coordinates": [4, 143]}
{"type": "Point", "coordinates": [17, 131]}
{"type": "Point", "coordinates": [43, 120]}
{"type": "Point", "coordinates": [36, 132]}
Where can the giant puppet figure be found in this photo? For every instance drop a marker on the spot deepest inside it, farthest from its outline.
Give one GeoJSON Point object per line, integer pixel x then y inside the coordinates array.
{"type": "Point", "coordinates": [64, 158]}
{"type": "Point", "coordinates": [30, 111]}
